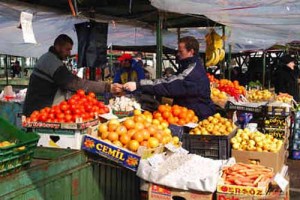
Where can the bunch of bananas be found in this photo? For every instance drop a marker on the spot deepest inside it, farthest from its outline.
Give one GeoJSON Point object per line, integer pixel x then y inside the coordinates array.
{"type": "Point", "coordinates": [214, 48]}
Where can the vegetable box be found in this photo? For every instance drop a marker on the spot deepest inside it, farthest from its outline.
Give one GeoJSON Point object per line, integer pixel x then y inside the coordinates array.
{"type": "Point", "coordinates": [117, 154]}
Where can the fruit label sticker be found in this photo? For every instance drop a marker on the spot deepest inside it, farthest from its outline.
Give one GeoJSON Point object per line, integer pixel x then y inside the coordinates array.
{"type": "Point", "coordinates": [111, 152]}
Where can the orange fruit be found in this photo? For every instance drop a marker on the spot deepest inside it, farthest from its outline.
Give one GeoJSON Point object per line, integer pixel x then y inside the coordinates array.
{"type": "Point", "coordinates": [138, 136]}
{"type": "Point", "coordinates": [139, 126]}
{"type": "Point", "coordinates": [112, 136]}
{"type": "Point", "coordinates": [147, 124]}
{"type": "Point", "coordinates": [121, 130]}
{"type": "Point", "coordinates": [146, 134]}
{"type": "Point", "coordinates": [147, 113]}
{"type": "Point", "coordinates": [124, 139]}
{"type": "Point", "coordinates": [156, 115]}
{"type": "Point", "coordinates": [104, 135]}
{"type": "Point", "coordinates": [144, 143]}
{"type": "Point", "coordinates": [103, 128]}
{"type": "Point", "coordinates": [165, 124]}
{"type": "Point", "coordinates": [155, 122]}
{"type": "Point", "coordinates": [138, 118]}
{"type": "Point", "coordinates": [158, 135]}
{"type": "Point", "coordinates": [112, 127]}
{"type": "Point", "coordinates": [133, 145]}
{"type": "Point", "coordinates": [175, 111]}
{"type": "Point", "coordinates": [117, 143]}
{"type": "Point", "coordinates": [131, 132]}
{"type": "Point", "coordinates": [181, 122]}
{"type": "Point", "coordinates": [162, 108]}
{"type": "Point", "coordinates": [166, 114]}
{"type": "Point", "coordinates": [129, 123]}
{"type": "Point", "coordinates": [153, 142]}
{"type": "Point", "coordinates": [151, 129]}
{"type": "Point", "coordinates": [137, 112]}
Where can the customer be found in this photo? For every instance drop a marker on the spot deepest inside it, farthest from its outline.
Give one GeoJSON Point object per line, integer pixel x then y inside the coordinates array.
{"type": "Point", "coordinates": [287, 75]}
{"type": "Point", "coordinates": [130, 70]}
{"type": "Point", "coordinates": [189, 87]}
{"type": "Point", "coordinates": [51, 77]}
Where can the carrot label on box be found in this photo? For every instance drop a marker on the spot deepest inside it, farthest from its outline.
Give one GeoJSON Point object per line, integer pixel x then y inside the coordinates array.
{"type": "Point", "coordinates": [240, 190]}
{"type": "Point", "coordinates": [110, 151]}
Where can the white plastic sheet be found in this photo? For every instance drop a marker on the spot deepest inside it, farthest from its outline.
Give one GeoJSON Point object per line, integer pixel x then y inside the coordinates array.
{"type": "Point", "coordinates": [251, 24]}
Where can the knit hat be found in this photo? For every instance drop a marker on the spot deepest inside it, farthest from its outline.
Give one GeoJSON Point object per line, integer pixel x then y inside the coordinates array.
{"type": "Point", "coordinates": [125, 56]}
{"type": "Point", "coordinates": [287, 59]}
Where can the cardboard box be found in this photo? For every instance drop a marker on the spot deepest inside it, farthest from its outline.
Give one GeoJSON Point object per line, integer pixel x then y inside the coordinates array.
{"type": "Point", "coordinates": [60, 138]}
{"type": "Point", "coordinates": [157, 192]}
{"type": "Point", "coordinates": [268, 159]}
{"type": "Point", "coordinates": [52, 125]}
{"type": "Point", "coordinates": [122, 156]}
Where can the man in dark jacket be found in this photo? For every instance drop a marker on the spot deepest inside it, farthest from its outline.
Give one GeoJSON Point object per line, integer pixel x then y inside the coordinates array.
{"type": "Point", "coordinates": [190, 86]}
{"type": "Point", "coordinates": [287, 77]}
{"type": "Point", "coordinates": [50, 76]}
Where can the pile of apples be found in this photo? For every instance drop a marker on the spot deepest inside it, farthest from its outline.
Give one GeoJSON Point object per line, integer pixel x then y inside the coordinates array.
{"type": "Point", "coordinates": [177, 115]}
{"type": "Point", "coordinates": [79, 106]}
{"type": "Point", "coordinates": [140, 130]}
{"type": "Point", "coordinates": [214, 125]}
{"type": "Point", "coordinates": [219, 98]}
{"type": "Point", "coordinates": [259, 95]}
{"type": "Point", "coordinates": [245, 140]}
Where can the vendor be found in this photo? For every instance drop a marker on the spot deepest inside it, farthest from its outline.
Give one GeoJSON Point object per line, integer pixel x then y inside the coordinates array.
{"type": "Point", "coordinates": [286, 80]}
{"type": "Point", "coordinates": [131, 70]}
{"type": "Point", "coordinates": [51, 77]}
{"type": "Point", "coordinates": [189, 87]}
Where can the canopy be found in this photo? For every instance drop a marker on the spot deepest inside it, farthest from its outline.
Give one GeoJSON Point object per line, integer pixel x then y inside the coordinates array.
{"type": "Point", "coordinates": [250, 24]}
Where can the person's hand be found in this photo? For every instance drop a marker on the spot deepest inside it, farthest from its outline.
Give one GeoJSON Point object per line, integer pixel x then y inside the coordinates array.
{"type": "Point", "coordinates": [116, 88]}
{"type": "Point", "coordinates": [130, 86]}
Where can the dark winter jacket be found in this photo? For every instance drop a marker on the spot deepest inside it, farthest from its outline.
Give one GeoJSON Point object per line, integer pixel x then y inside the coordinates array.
{"type": "Point", "coordinates": [134, 73]}
{"type": "Point", "coordinates": [287, 81]}
{"type": "Point", "coordinates": [189, 87]}
{"type": "Point", "coordinates": [49, 75]}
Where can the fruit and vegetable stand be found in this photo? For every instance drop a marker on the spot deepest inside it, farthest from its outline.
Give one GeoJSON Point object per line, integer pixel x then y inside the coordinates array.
{"type": "Point", "coordinates": [165, 148]}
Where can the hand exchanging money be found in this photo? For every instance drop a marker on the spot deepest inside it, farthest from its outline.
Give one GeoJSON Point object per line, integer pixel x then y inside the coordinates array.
{"type": "Point", "coordinates": [130, 86]}
{"type": "Point", "coordinates": [116, 88]}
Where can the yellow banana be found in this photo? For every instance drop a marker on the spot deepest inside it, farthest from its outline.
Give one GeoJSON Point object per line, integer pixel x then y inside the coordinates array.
{"type": "Point", "coordinates": [222, 54]}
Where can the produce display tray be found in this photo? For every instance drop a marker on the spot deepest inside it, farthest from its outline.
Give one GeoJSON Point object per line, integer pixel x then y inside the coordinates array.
{"type": "Point", "coordinates": [245, 108]}
{"type": "Point", "coordinates": [209, 146]}
{"type": "Point", "coordinates": [278, 110]}
{"type": "Point", "coordinates": [18, 155]}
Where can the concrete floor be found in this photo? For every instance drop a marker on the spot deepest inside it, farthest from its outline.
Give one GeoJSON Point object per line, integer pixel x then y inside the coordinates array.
{"type": "Point", "coordinates": [294, 174]}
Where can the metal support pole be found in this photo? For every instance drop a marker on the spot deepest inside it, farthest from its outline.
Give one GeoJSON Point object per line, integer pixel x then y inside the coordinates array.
{"type": "Point", "coordinates": [222, 64]}
{"type": "Point", "coordinates": [229, 61]}
{"type": "Point", "coordinates": [178, 34]}
{"type": "Point", "coordinates": [6, 69]}
{"type": "Point", "coordinates": [159, 49]}
{"type": "Point", "coordinates": [264, 70]}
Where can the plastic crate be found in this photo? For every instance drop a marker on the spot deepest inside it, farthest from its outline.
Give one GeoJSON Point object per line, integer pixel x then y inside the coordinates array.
{"type": "Point", "coordinates": [209, 146]}
{"type": "Point", "coordinates": [245, 108]}
{"type": "Point", "coordinates": [19, 155]}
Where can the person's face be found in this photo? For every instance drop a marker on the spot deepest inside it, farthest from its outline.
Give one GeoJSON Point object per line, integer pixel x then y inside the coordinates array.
{"type": "Point", "coordinates": [64, 51]}
{"type": "Point", "coordinates": [291, 65]}
{"type": "Point", "coordinates": [183, 53]}
{"type": "Point", "coordinates": [125, 63]}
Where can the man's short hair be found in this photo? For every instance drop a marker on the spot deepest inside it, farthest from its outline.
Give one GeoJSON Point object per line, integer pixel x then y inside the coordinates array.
{"type": "Point", "coordinates": [190, 43]}
{"type": "Point", "coordinates": [62, 39]}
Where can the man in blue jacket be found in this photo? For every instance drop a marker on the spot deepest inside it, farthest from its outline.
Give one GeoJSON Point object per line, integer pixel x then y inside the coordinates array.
{"type": "Point", "coordinates": [130, 70]}
{"type": "Point", "coordinates": [189, 87]}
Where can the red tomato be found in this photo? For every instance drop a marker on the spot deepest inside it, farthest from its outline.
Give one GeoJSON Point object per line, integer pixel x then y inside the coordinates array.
{"type": "Point", "coordinates": [33, 119]}
{"type": "Point", "coordinates": [76, 97]}
{"type": "Point", "coordinates": [92, 94]}
{"type": "Point", "coordinates": [81, 93]}
{"type": "Point", "coordinates": [60, 115]}
{"type": "Point", "coordinates": [51, 116]}
{"type": "Point", "coordinates": [68, 118]}
{"type": "Point", "coordinates": [106, 110]}
{"type": "Point", "coordinates": [71, 101]}
{"type": "Point", "coordinates": [64, 107]}
{"type": "Point", "coordinates": [88, 108]}
{"type": "Point", "coordinates": [101, 104]}
{"type": "Point", "coordinates": [68, 112]}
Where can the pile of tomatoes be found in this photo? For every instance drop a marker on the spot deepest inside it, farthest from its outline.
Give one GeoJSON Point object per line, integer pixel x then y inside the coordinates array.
{"type": "Point", "coordinates": [177, 115]}
{"type": "Point", "coordinates": [140, 130]}
{"type": "Point", "coordinates": [79, 106]}
{"type": "Point", "coordinates": [233, 88]}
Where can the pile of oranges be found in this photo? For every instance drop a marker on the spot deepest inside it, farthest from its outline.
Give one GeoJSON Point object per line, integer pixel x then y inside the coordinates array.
{"type": "Point", "coordinates": [140, 130]}
{"type": "Point", "coordinates": [214, 125]}
{"type": "Point", "coordinates": [177, 115]}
